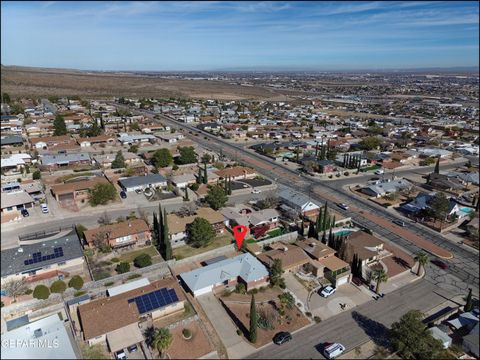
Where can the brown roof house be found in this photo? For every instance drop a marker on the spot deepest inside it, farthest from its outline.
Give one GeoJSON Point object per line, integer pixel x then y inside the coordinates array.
{"type": "Point", "coordinates": [77, 190]}
{"type": "Point", "coordinates": [237, 173]}
{"type": "Point", "coordinates": [125, 233]}
{"type": "Point", "coordinates": [114, 320]}
{"type": "Point", "coordinates": [178, 226]}
{"type": "Point", "coordinates": [324, 263]}
{"type": "Point", "coordinates": [292, 257]}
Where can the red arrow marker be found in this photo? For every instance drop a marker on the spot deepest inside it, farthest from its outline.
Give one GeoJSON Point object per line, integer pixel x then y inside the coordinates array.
{"type": "Point", "coordinates": [239, 232]}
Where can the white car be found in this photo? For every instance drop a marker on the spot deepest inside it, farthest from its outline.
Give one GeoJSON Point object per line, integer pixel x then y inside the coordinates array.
{"type": "Point", "coordinates": [256, 191]}
{"type": "Point", "coordinates": [331, 351]}
{"type": "Point", "coordinates": [343, 206]}
{"type": "Point", "coordinates": [327, 291]}
{"type": "Point", "coordinates": [44, 208]}
{"type": "Point", "coordinates": [379, 172]}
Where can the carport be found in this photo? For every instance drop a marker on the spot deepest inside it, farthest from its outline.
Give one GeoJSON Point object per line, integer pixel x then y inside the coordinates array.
{"type": "Point", "coordinates": [124, 337]}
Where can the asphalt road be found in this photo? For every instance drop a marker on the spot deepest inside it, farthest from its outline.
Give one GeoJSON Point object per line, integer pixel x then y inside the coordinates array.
{"type": "Point", "coordinates": [463, 268]}
{"type": "Point", "coordinates": [368, 321]}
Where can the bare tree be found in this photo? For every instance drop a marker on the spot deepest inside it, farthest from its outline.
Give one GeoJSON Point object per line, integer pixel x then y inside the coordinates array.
{"type": "Point", "coordinates": [143, 215]}
{"type": "Point", "coordinates": [100, 238]}
{"type": "Point", "coordinates": [15, 287]}
{"type": "Point", "coordinates": [104, 219]}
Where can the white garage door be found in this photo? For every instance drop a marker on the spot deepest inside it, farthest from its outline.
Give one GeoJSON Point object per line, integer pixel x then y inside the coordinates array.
{"type": "Point", "coordinates": [342, 281]}
{"type": "Point", "coordinates": [203, 291]}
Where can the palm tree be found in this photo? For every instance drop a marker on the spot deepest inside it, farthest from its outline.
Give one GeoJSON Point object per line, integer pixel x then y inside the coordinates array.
{"type": "Point", "coordinates": [379, 276]}
{"type": "Point", "coordinates": [422, 259]}
{"type": "Point", "coordinates": [162, 340]}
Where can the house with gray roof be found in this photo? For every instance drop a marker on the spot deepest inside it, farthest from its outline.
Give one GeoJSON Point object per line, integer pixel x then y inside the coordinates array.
{"type": "Point", "coordinates": [64, 160]}
{"type": "Point", "coordinates": [243, 268]}
{"type": "Point", "coordinates": [11, 140]}
{"type": "Point", "coordinates": [386, 187]}
{"type": "Point", "coordinates": [43, 259]}
{"type": "Point", "coordinates": [299, 202]}
{"type": "Point", "coordinates": [142, 182]}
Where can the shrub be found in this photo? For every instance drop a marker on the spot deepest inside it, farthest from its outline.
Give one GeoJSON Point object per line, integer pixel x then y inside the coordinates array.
{"type": "Point", "coordinates": [186, 333]}
{"type": "Point", "coordinates": [110, 283]}
{"type": "Point", "coordinates": [287, 300]}
{"type": "Point", "coordinates": [76, 282]}
{"type": "Point", "coordinates": [317, 319]}
{"type": "Point", "coordinates": [122, 267]}
{"type": "Point", "coordinates": [308, 313]}
{"type": "Point", "coordinates": [115, 259]}
{"type": "Point", "coordinates": [337, 175]}
{"type": "Point", "coordinates": [58, 287]}
{"type": "Point", "coordinates": [79, 293]}
{"type": "Point", "coordinates": [134, 276]}
{"type": "Point", "coordinates": [194, 187]}
{"type": "Point", "coordinates": [41, 292]}
{"type": "Point", "coordinates": [253, 291]}
{"type": "Point", "coordinates": [37, 175]}
{"type": "Point", "coordinates": [28, 291]}
{"type": "Point", "coordinates": [240, 288]}
{"type": "Point", "coordinates": [142, 260]}
{"type": "Point", "coordinates": [346, 173]}
{"type": "Point", "coordinates": [239, 333]}
{"type": "Point", "coordinates": [267, 318]}
{"type": "Point", "coordinates": [100, 274]}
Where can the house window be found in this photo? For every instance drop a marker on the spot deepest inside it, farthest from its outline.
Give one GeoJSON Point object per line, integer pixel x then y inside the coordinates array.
{"type": "Point", "coordinates": [61, 263]}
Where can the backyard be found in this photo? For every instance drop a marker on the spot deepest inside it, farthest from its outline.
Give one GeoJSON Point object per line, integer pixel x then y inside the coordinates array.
{"type": "Point", "coordinates": [187, 250]}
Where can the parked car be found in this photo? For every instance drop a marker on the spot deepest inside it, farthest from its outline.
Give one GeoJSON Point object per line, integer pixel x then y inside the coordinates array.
{"type": "Point", "coordinates": [25, 213]}
{"type": "Point", "coordinates": [256, 191]}
{"type": "Point", "coordinates": [282, 337]}
{"type": "Point", "coordinates": [123, 194]}
{"type": "Point", "coordinates": [327, 291]}
{"type": "Point", "coordinates": [331, 351]}
{"type": "Point", "coordinates": [379, 172]}
{"type": "Point", "coordinates": [342, 206]}
{"type": "Point", "coordinates": [120, 355]}
{"type": "Point", "coordinates": [44, 208]}
{"type": "Point", "coordinates": [138, 191]}
{"type": "Point", "coordinates": [440, 264]}
{"type": "Point", "coordinates": [132, 348]}
{"type": "Point", "coordinates": [399, 223]}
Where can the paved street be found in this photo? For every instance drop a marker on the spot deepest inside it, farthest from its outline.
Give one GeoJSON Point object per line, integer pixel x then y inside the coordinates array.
{"type": "Point", "coordinates": [369, 320]}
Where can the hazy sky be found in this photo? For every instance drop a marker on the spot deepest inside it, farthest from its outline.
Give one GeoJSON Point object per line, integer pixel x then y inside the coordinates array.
{"type": "Point", "coordinates": [224, 35]}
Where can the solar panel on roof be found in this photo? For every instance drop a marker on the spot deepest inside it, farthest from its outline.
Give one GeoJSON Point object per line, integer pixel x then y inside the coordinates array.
{"type": "Point", "coordinates": [154, 300]}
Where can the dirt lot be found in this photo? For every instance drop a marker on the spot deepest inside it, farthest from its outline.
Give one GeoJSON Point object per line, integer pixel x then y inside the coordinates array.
{"type": "Point", "coordinates": [194, 348]}
{"type": "Point", "coordinates": [20, 81]}
{"type": "Point", "coordinates": [292, 320]}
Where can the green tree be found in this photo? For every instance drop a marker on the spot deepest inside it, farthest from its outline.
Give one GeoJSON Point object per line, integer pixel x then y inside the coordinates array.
{"type": "Point", "coordinates": [162, 158]}
{"type": "Point", "coordinates": [206, 158]}
{"type": "Point", "coordinates": [142, 260]}
{"type": "Point", "coordinates": [155, 230]}
{"type": "Point", "coordinates": [276, 272]}
{"type": "Point", "coordinates": [287, 299]}
{"type": "Point", "coordinates": [36, 175]}
{"type": "Point", "coordinates": [187, 155]}
{"type": "Point", "coordinates": [422, 259]}
{"type": "Point", "coordinates": [119, 161]}
{"type": "Point", "coordinates": [123, 267]}
{"type": "Point", "coordinates": [135, 126]}
{"type": "Point", "coordinates": [76, 282]}
{"type": "Point", "coordinates": [253, 321]}
{"type": "Point", "coordinates": [17, 108]}
{"type": "Point", "coordinates": [379, 276]}
{"type": "Point", "coordinates": [165, 239]}
{"type": "Point", "coordinates": [58, 287]}
{"type": "Point", "coordinates": [412, 340]}
{"type": "Point", "coordinates": [162, 340]}
{"type": "Point", "coordinates": [469, 302]}
{"type": "Point", "coordinates": [59, 126]}
{"type": "Point", "coordinates": [370, 143]}
{"type": "Point", "coordinates": [437, 166]}
{"type": "Point", "coordinates": [439, 205]}
{"type": "Point", "coordinates": [133, 149]}
{"type": "Point", "coordinates": [216, 197]}
{"type": "Point", "coordinates": [102, 194]}
{"type": "Point", "coordinates": [41, 292]}
{"type": "Point", "coordinates": [6, 98]}
{"type": "Point", "coordinates": [200, 232]}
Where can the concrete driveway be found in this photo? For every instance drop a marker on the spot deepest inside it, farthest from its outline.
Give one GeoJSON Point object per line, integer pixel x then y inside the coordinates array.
{"type": "Point", "coordinates": [298, 290]}
{"type": "Point", "coordinates": [236, 346]}
{"type": "Point", "coordinates": [346, 294]}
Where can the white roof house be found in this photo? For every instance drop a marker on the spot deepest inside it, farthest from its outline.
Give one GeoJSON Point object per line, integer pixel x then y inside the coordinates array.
{"type": "Point", "coordinates": [297, 201]}
{"type": "Point", "coordinates": [439, 334]}
{"type": "Point", "coordinates": [202, 280]}
{"type": "Point", "coordinates": [46, 338]}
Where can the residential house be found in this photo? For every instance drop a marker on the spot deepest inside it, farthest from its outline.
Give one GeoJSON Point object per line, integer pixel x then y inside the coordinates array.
{"type": "Point", "coordinates": [258, 223]}
{"type": "Point", "coordinates": [13, 202]}
{"type": "Point", "coordinates": [53, 162]}
{"type": "Point", "coordinates": [422, 200]}
{"type": "Point", "coordinates": [44, 259]}
{"type": "Point", "coordinates": [142, 182]}
{"type": "Point", "coordinates": [76, 190]}
{"type": "Point", "coordinates": [236, 173]}
{"type": "Point", "coordinates": [48, 141]}
{"type": "Point", "coordinates": [291, 256]}
{"type": "Point", "coordinates": [368, 248]}
{"type": "Point", "coordinates": [105, 161]}
{"type": "Point", "coordinates": [114, 320]}
{"type": "Point", "coordinates": [170, 138]}
{"type": "Point", "coordinates": [470, 342]}
{"type": "Point", "coordinates": [243, 268]}
{"type": "Point", "coordinates": [96, 140]}
{"type": "Point", "coordinates": [130, 139]}
{"type": "Point", "coordinates": [47, 338]}
{"type": "Point", "coordinates": [178, 226]}
{"type": "Point", "coordinates": [299, 202]}
{"type": "Point", "coordinates": [182, 181]}
{"type": "Point", "coordinates": [15, 163]}
{"type": "Point", "coordinates": [10, 142]}
{"type": "Point", "coordinates": [387, 187]}
{"type": "Point", "coordinates": [125, 233]}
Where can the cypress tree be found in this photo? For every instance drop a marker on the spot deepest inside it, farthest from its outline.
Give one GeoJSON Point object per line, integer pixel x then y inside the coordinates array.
{"type": "Point", "coordinates": [230, 186]}
{"type": "Point", "coordinates": [316, 150]}
{"type": "Point", "coordinates": [359, 163]}
{"type": "Point", "coordinates": [331, 242]}
{"type": "Point", "coordinates": [186, 194]}
{"type": "Point", "coordinates": [311, 230]}
{"type": "Point", "coordinates": [324, 238]}
{"type": "Point", "coordinates": [469, 303]}
{"type": "Point", "coordinates": [161, 244]}
{"type": "Point", "coordinates": [327, 225]}
{"type": "Point", "coordinates": [344, 160]}
{"type": "Point", "coordinates": [155, 229]}
{"type": "Point", "coordinates": [325, 214]}
{"type": "Point", "coordinates": [354, 265]}
{"type": "Point", "coordinates": [205, 176]}
{"type": "Point", "coordinates": [166, 240]}
{"type": "Point", "coordinates": [437, 166]}
{"type": "Point", "coordinates": [253, 321]}
{"type": "Point", "coordinates": [330, 234]}
{"type": "Point", "coordinates": [334, 221]}
{"type": "Point", "coordinates": [359, 267]}
{"type": "Point", "coordinates": [199, 176]}
{"type": "Point", "coordinates": [319, 220]}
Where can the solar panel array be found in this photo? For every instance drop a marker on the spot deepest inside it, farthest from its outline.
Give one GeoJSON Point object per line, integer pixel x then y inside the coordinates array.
{"type": "Point", "coordinates": [154, 300]}
{"type": "Point", "coordinates": [37, 257]}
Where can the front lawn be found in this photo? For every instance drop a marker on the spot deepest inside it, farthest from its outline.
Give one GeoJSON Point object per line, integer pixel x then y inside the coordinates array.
{"type": "Point", "coordinates": [187, 250]}
{"type": "Point", "coordinates": [130, 256]}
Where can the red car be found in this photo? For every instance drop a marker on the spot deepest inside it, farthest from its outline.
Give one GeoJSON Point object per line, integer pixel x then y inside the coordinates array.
{"type": "Point", "coordinates": [440, 264]}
